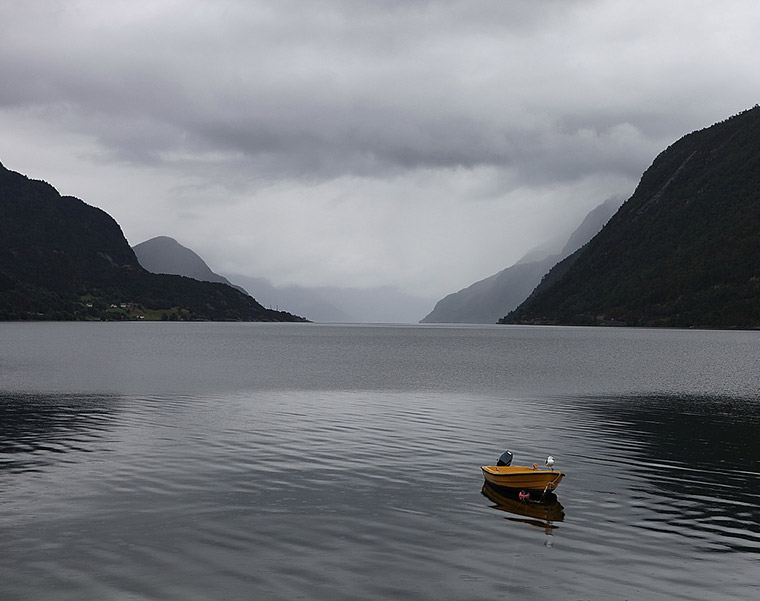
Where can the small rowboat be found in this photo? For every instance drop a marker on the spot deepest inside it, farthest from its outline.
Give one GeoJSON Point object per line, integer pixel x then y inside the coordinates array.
{"type": "Point", "coordinates": [523, 478]}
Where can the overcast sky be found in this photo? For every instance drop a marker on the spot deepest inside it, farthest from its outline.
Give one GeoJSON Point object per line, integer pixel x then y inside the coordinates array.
{"type": "Point", "coordinates": [417, 144]}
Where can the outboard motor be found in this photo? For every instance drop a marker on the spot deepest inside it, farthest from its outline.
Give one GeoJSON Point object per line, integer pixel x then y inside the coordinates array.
{"type": "Point", "coordinates": [505, 458]}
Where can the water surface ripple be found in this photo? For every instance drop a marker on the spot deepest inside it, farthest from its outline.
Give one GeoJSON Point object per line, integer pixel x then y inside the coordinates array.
{"type": "Point", "coordinates": [251, 489]}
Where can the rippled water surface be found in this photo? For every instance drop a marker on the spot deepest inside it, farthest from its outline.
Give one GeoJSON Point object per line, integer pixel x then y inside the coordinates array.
{"type": "Point", "coordinates": [264, 461]}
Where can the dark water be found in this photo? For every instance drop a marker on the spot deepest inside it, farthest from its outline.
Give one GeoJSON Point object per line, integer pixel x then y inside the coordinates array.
{"type": "Point", "coordinates": [263, 461]}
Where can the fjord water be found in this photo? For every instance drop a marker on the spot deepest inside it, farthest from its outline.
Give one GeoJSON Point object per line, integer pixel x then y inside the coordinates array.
{"type": "Point", "coordinates": [301, 461]}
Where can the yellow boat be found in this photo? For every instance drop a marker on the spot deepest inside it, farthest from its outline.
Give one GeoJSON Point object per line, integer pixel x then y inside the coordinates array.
{"type": "Point", "coordinates": [522, 478]}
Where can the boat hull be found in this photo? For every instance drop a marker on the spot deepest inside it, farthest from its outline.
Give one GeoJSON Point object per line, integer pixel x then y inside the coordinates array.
{"type": "Point", "coordinates": [517, 477]}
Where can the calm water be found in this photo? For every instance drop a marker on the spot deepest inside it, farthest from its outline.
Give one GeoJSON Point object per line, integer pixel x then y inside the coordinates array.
{"type": "Point", "coordinates": [296, 461]}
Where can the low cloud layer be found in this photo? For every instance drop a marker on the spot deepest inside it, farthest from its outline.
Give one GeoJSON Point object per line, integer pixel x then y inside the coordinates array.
{"type": "Point", "coordinates": [417, 144]}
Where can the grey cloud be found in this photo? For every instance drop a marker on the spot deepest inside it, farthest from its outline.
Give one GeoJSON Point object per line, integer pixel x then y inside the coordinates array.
{"type": "Point", "coordinates": [300, 90]}
{"type": "Point", "coordinates": [394, 136]}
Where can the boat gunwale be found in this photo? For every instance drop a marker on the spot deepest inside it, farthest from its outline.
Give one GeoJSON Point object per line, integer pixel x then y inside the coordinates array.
{"type": "Point", "coordinates": [514, 477]}
{"type": "Point", "coordinates": [504, 470]}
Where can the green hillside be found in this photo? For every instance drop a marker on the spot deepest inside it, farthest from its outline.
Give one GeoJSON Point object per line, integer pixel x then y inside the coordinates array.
{"type": "Point", "coordinates": [61, 259]}
{"type": "Point", "coordinates": [683, 251]}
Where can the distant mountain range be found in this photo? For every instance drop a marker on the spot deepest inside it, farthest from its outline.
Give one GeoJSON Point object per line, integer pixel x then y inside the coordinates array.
{"type": "Point", "coordinates": [323, 304]}
{"type": "Point", "coordinates": [487, 301]}
{"type": "Point", "coordinates": [683, 251]}
{"type": "Point", "coordinates": [334, 304]}
{"type": "Point", "coordinates": [61, 259]}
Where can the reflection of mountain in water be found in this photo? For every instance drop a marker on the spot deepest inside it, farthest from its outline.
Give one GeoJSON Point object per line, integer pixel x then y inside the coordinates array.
{"type": "Point", "coordinates": [698, 461]}
{"type": "Point", "coordinates": [36, 429]}
{"type": "Point", "coordinates": [541, 513]}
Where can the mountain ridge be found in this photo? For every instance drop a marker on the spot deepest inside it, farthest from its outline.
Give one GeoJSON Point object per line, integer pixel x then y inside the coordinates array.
{"type": "Point", "coordinates": [486, 300]}
{"type": "Point", "coordinates": [682, 251]}
{"type": "Point", "coordinates": [163, 254]}
{"type": "Point", "coordinates": [62, 259]}
{"type": "Point", "coordinates": [323, 304]}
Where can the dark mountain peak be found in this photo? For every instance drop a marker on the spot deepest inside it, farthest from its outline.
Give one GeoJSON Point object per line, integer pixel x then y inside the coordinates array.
{"type": "Point", "coordinates": [682, 251]}
{"type": "Point", "coordinates": [161, 241]}
{"type": "Point", "coordinates": [52, 236]}
{"type": "Point", "coordinates": [163, 254]}
{"type": "Point", "coordinates": [63, 259]}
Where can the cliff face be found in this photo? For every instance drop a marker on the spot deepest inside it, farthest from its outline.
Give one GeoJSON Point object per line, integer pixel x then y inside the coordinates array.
{"type": "Point", "coordinates": [682, 251]}
{"type": "Point", "coordinates": [63, 259]}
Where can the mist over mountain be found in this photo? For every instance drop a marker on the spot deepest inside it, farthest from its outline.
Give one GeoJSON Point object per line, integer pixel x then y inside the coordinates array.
{"type": "Point", "coordinates": [325, 304]}
{"type": "Point", "coordinates": [62, 259]}
{"type": "Point", "coordinates": [486, 301]}
{"type": "Point", "coordinates": [333, 304]}
{"type": "Point", "coordinates": [681, 252]}
{"type": "Point", "coordinates": [163, 254]}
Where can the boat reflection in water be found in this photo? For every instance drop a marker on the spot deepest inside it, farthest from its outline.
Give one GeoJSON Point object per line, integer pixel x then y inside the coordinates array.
{"type": "Point", "coordinates": [542, 513]}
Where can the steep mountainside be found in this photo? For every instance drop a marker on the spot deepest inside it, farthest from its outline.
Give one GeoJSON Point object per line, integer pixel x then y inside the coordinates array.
{"type": "Point", "coordinates": [163, 254]}
{"type": "Point", "coordinates": [683, 251]}
{"type": "Point", "coordinates": [486, 301]}
{"type": "Point", "coordinates": [63, 259]}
